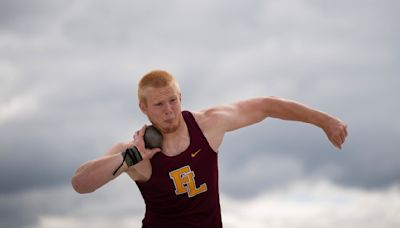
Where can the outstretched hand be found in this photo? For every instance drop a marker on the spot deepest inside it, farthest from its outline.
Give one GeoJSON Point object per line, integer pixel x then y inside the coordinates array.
{"type": "Point", "coordinates": [336, 130]}
{"type": "Point", "coordinates": [138, 141]}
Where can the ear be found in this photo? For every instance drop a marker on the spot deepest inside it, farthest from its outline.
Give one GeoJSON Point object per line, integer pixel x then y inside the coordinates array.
{"type": "Point", "coordinates": [143, 107]}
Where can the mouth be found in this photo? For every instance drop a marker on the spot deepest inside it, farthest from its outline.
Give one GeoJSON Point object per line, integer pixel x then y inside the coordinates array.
{"type": "Point", "coordinates": [170, 125]}
{"type": "Point", "coordinates": [169, 121]}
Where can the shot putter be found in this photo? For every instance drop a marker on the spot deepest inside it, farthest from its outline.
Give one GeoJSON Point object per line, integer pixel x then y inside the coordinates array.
{"type": "Point", "coordinates": [152, 139]}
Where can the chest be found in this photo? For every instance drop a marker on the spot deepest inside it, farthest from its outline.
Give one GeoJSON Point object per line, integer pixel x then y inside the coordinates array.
{"type": "Point", "coordinates": [176, 147]}
{"type": "Point", "coordinates": [193, 172]}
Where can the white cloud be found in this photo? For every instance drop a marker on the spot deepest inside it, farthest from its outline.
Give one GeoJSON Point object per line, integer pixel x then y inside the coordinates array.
{"type": "Point", "coordinates": [314, 204]}
{"type": "Point", "coordinates": [68, 71]}
{"type": "Point", "coordinates": [97, 222]}
{"type": "Point", "coordinates": [317, 204]}
{"type": "Point", "coordinates": [17, 106]}
{"type": "Point", "coordinates": [117, 204]}
{"type": "Point", "coordinates": [256, 174]}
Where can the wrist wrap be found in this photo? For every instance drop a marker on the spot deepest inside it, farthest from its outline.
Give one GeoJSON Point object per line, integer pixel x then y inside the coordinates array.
{"type": "Point", "coordinates": [131, 157]}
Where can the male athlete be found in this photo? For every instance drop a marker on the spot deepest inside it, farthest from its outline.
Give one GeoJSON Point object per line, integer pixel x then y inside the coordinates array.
{"type": "Point", "coordinates": [179, 182]}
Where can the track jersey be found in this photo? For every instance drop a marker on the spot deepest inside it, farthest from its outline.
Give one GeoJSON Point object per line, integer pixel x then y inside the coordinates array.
{"type": "Point", "coordinates": [183, 189]}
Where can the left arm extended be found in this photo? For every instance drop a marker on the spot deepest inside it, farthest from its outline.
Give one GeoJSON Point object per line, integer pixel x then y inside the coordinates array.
{"type": "Point", "coordinates": [247, 112]}
{"type": "Point", "coordinates": [334, 128]}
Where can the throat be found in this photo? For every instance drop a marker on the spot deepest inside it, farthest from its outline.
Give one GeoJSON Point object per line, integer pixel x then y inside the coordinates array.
{"type": "Point", "coordinates": [177, 142]}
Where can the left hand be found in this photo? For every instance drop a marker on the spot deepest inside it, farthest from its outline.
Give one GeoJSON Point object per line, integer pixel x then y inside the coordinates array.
{"type": "Point", "coordinates": [138, 141]}
{"type": "Point", "coordinates": [336, 130]}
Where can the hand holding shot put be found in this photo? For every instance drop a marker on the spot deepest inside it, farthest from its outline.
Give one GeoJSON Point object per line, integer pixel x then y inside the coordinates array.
{"type": "Point", "coordinates": [174, 162]}
{"type": "Point", "coordinates": [95, 173]}
{"type": "Point", "coordinates": [146, 142]}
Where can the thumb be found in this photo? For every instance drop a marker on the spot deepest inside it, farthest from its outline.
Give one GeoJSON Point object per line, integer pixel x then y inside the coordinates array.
{"type": "Point", "coordinates": [153, 151]}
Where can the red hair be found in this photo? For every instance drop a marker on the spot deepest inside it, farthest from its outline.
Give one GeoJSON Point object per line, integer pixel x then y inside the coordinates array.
{"type": "Point", "coordinates": [155, 79]}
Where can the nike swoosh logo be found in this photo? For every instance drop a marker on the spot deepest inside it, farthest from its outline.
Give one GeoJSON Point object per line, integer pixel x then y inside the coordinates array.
{"type": "Point", "coordinates": [195, 153]}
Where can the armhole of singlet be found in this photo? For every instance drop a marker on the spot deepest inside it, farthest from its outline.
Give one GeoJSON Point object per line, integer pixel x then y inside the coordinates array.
{"type": "Point", "coordinates": [196, 128]}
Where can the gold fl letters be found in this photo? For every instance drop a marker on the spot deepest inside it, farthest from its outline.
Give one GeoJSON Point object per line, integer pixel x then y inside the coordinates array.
{"type": "Point", "coordinates": [184, 182]}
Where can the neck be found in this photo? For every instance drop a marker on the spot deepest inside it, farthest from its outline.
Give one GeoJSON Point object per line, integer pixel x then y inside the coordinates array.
{"type": "Point", "coordinates": [176, 142]}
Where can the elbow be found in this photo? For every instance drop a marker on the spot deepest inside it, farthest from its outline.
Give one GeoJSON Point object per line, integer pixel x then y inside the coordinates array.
{"type": "Point", "coordinates": [270, 102]}
{"type": "Point", "coordinates": [80, 186]}
{"type": "Point", "coordinates": [273, 106]}
{"type": "Point", "coordinates": [270, 99]}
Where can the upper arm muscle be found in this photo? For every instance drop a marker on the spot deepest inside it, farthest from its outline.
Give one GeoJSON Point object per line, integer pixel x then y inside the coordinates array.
{"type": "Point", "coordinates": [216, 121]}
{"type": "Point", "coordinates": [240, 114]}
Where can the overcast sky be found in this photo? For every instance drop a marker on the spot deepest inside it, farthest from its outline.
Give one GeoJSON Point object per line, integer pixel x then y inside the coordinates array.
{"type": "Point", "coordinates": [68, 81]}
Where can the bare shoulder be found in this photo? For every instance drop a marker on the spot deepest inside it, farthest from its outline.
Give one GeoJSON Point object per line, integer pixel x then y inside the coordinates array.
{"type": "Point", "coordinates": [211, 124]}
{"type": "Point", "coordinates": [233, 116]}
{"type": "Point", "coordinates": [208, 118]}
{"type": "Point", "coordinates": [119, 147]}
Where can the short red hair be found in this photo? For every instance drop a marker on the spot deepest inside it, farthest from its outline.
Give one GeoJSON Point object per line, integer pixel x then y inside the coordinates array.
{"type": "Point", "coordinates": [155, 79]}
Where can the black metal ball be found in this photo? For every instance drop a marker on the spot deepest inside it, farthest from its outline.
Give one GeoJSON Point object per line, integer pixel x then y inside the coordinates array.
{"type": "Point", "coordinates": [152, 137]}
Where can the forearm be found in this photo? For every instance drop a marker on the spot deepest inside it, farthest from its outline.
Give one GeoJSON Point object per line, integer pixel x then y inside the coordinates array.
{"type": "Point", "coordinates": [291, 110]}
{"type": "Point", "coordinates": [335, 129]}
{"type": "Point", "coordinates": [95, 173]}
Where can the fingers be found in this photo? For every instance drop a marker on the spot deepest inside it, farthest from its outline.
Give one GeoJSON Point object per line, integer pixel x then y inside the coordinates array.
{"type": "Point", "coordinates": [140, 133]}
{"type": "Point", "coordinates": [142, 130]}
{"type": "Point", "coordinates": [343, 133]}
{"type": "Point", "coordinates": [149, 153]}
{"type": "Point", "coordinates": [342, 136]}
{"type": "Point", "coordinates": [139, 143]}
{"type": "Point", "coordinates": [335, 141]}
{"type": "Point", "coordinates": [338, 142]}
{"type": "Point", "coordinates": [339, 136]}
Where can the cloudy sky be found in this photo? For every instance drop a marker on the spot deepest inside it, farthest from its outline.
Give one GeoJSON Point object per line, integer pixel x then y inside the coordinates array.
{"type": "Point", "coordinates": [68, 74]}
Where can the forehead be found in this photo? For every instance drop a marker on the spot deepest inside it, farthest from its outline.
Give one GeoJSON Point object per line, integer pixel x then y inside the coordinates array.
{"type": "Point", "coordinates": [153, 94]}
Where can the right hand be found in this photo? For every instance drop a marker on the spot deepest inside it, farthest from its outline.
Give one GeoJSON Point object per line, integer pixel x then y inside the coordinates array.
{"type": "Point", "coordinates": [138, 141]}
{"type": "Point", "coordinates": [336, 130]}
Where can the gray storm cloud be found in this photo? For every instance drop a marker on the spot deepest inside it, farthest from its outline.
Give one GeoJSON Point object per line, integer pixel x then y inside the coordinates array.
{"type": "Point", "coordinates": [68, 74]}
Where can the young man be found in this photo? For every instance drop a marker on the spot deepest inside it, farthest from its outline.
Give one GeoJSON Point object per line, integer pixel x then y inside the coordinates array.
{"type": "Point", "coordinates": [179, 182]}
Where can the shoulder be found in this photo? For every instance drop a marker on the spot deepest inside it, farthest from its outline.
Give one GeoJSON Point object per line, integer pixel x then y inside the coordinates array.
{"type": "Point", "coordinates": [209, 121]}
{"type": "Point", "coordinates": [235, 115]}
{"type": "Point", "coordinates": [209, 117]}
{"type": "Point", "coordinates": [218, 119]}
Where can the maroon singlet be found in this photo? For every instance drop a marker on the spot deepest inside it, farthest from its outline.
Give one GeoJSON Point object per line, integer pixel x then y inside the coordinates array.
{"type": "Point", "coordinates": [183, 190]}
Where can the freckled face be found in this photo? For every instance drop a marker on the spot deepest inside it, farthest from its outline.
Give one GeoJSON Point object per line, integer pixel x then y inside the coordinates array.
{"type": "Point", "coordinates": [163, 108]}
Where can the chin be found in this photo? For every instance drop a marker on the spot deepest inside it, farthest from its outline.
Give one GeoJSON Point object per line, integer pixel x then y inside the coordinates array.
{"type": "Point", "coordinates": [170, 128]}
{"type": "Point", "coordinates": [167, 127]}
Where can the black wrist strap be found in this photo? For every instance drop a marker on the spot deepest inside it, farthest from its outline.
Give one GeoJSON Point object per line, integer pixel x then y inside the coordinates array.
{"type": "Point", "coordinates": [131, 156]}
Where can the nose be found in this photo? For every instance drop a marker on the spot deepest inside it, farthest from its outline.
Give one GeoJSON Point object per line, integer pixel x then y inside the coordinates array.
{"type": "Point", "coordinates": [168, 109]}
